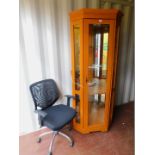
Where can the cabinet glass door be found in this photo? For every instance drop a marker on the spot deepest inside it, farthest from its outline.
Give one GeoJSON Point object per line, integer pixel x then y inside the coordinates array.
{"type": "Point", "coordinates": [96, 71]}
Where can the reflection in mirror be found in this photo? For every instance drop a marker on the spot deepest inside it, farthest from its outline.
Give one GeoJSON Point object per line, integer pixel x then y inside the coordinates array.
{"type": "Point", "coordinates": [97, 105]}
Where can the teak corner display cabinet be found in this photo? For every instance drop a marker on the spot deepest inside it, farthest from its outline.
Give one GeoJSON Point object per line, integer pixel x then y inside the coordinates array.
{"type": "Point", "coordinates": [94, 45]}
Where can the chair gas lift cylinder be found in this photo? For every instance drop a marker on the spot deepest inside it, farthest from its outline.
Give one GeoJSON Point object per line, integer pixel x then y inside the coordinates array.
{"type": "Point", "coordinates": [94, 49]}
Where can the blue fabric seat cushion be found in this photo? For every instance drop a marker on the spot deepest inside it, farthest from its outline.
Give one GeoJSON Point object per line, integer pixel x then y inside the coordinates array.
{"type": "Point", "coordinates": [58, 116]}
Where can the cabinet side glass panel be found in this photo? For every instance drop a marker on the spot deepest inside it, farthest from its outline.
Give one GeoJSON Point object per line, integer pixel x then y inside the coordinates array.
{"type": "Point", "coordinates": [76, 83]}
{"type": "Point", "coordinates": [97, 72]}
{"type": "Point", "coordinates": [77, 102]}
{"type": "Point", "coordinates": [76, 30]}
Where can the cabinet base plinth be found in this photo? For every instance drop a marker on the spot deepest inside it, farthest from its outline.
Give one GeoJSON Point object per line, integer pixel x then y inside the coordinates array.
{"type": "Point", "coordinates": [89, 130]}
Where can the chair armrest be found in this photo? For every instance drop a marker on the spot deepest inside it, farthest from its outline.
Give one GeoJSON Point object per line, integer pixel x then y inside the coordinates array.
{"type": "Point", "coordinates": [41, 113]}
{"type": "Point", "coordinates": [69, 97]}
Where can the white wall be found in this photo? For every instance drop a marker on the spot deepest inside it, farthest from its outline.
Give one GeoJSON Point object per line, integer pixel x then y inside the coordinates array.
{"type": "Point", "coordinates": [125, 69]}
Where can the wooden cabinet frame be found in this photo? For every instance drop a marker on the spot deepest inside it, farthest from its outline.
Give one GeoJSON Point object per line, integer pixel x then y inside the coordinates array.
{"type": "Point", "coordinates": [83, 18]}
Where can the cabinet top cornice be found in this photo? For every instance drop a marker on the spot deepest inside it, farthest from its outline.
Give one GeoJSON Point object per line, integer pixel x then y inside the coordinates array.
{"type": "Point", "coordinates": [95, 13]}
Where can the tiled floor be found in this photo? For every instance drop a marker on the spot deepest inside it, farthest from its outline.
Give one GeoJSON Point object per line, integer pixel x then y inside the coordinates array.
{"type": "Point", "coordinates": [118, 141]}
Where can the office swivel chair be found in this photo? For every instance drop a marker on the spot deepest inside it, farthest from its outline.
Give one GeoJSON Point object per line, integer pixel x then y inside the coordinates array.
{"type": "Point", "coordinates": [45, 93]}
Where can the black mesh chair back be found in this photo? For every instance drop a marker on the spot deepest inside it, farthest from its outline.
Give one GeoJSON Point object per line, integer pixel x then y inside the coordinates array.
{"type": "Point", "coordinates": [44, 93]}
